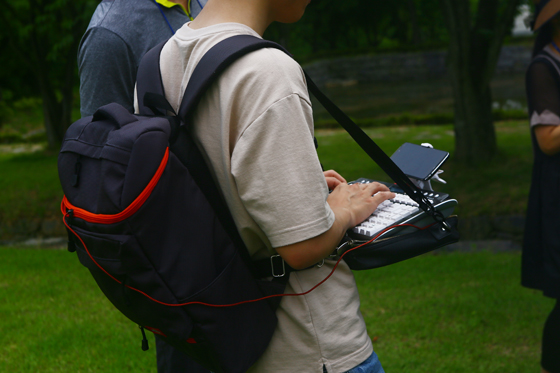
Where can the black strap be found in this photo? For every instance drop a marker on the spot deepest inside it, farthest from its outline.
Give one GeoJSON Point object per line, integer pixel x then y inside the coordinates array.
{"type": "Point", "coordinates": [148, 79]}
{"type": "Point", "coordinates": [149, 87]}
{"type": "Point", "coordinates": [371, 148]}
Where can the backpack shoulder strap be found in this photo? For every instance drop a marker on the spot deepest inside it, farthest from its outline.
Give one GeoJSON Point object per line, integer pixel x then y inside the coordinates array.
{"type": "Point", "coordinates": [151, 97]}
{"type": "Point", "coordinates": [148, 79]}
{"type": "Point", "coordinates": [216, 60]}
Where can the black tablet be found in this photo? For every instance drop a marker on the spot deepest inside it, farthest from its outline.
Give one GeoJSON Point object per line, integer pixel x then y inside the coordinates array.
{"type": "Point", "coordinates": [418, 161]}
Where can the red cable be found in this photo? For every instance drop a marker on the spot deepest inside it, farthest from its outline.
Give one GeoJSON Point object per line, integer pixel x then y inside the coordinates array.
{"type": "Point", "coordinates": [247, 301]}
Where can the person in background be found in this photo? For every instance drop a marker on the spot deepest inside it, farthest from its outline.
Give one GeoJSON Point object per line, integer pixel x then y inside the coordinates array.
{"type": "Point", "coordinates": [119, 34]}
{"type": "Point", "coordinates": [254, 126]}
{"type": "Point", "coordinates": [541, 245]}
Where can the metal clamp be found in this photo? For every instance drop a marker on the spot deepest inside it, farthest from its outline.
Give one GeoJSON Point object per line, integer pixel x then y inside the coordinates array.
{"type": "Point", "coordinates": [439, 218]}
{"type": "Point", "coordinates": [276, 258]}
{"type": "Point", "coordinates": [338, 251]}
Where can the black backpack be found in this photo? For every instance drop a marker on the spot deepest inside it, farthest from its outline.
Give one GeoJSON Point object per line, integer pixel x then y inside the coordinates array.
{"type": "Point", "coordinates": [145, 217]}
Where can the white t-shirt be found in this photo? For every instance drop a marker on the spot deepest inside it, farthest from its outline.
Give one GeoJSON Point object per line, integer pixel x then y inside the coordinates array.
{"type": "Point", "coordinates": [255, 129]}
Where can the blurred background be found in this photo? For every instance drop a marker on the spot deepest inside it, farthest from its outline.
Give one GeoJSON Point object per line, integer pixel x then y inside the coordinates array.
{"type": "Point", "coordinates": [389, 65]}
{"type": "Point", "coordinates": [448, 72]}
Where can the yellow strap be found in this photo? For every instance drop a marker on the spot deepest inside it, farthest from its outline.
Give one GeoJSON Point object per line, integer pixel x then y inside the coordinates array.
{"type": "Point", "coordinates": [169, 4]}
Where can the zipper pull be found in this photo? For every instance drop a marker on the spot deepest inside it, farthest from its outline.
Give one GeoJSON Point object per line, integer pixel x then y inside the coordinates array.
{"type": "Point", "coordinates": [70, 220]}
{"type": "Point", "coordinates": [77, 169]}
{"type": "Point", "coordinates": [145, 346]}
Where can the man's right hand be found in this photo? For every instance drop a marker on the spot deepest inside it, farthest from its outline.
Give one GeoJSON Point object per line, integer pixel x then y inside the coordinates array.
{"type": "Point", "coordinates": [351, 204]}
{"type": "Point", "coordinates": [354, 203]}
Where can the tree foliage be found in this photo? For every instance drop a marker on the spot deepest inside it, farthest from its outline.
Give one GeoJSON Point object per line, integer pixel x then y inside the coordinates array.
{"type": "Point", "coordinates": [40, 40]}
{"type": "Point", "coordinates": [357, 26]}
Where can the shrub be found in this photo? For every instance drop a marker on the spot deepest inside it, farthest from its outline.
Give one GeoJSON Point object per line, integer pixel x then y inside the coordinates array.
{"type": "Point", "coordinates": [10, 137]}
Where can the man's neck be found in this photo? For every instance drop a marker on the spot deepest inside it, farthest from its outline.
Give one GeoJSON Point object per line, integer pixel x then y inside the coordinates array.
{"type": "Point", "coordinates": [251, 13]}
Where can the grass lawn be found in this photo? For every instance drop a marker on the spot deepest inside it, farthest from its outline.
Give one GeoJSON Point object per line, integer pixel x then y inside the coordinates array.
{"type": "Point", "coordinates": [55, 319]}
{"type": "Point", "coordinates": [459, 312]}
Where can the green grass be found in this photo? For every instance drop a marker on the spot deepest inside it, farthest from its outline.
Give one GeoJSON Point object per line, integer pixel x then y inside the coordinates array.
{"type": "Point", "coordinates": [417, 119]}
{"type": "Point", "coordinates": [459, 312]}
{"type": "Point", "coordinates": [462, 312]}
{"type": "Point", "coordinates": [55, 319]}
{"type": "Point", "coordinates": [29, 185]}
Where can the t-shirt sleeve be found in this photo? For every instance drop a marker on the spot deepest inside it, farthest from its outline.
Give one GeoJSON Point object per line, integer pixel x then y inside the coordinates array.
{"type": "Point", "coordinates": [278, 174]}
{"type": "Point", "coordinates": [107, 71]}
{"type": "Point", "coordinates": [543, 95]}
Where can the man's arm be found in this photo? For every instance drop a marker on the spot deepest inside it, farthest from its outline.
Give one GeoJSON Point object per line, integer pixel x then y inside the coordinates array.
{"type": "Point", "coordinates": [107, 71]}
{"type": "Point", "coordinates": [351, 204]}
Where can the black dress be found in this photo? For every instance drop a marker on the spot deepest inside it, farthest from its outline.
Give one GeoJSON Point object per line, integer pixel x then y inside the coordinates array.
{"type": "Point", "coordinates": [541, 246]}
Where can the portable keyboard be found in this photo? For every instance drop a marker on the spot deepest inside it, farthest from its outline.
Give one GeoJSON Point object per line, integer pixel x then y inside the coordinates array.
{"type": "Point", "coordinates": [400, 210]}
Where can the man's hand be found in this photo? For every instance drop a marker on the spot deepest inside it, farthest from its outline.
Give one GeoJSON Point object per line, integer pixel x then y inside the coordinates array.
{"type": "Point", "coordinates": [352, 204]}
{"type": "Point", "coordinates": [333, 179]}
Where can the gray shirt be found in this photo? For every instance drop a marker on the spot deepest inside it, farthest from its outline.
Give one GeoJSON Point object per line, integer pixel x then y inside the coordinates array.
{"type": "Point", "coordinates": [119, 34]}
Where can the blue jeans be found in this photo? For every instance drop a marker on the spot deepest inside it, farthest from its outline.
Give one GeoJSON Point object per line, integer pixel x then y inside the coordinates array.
{"type": "Point", "coordinates": [371, 365]}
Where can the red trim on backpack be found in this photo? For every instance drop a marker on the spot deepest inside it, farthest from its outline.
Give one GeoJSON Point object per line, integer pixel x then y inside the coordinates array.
{"type": "Point", "coordinates": [191, 341]}
{"type": "Point", "coordinates": [155, 331]}
{"type": "Point", "coordinates": [126, 213]}
{"type": "Point", "coordinates": [245, 301]}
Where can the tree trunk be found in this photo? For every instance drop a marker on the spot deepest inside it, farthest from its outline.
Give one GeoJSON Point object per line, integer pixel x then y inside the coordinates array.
{"type": "Point", "coordinates": [57, 114]}
{"type": "Point", "coordinates": [52, 117]}
{"type": "Point", "coordinates": [415, 27]}
{"type": "Point", "coordinates": [472, 57]}
{"type": "Point", "coordinates": [475, 137]}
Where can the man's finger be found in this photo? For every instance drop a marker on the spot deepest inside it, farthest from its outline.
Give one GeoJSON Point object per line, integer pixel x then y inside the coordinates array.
{"type": "Point", "coordinates": [383, 196]}
{"type": "Point", "coordinates": [334, 174]}
{"type": "Point", "coordinates": [333, 182]}
{"type": "Point", "coordinates": [377, 187]}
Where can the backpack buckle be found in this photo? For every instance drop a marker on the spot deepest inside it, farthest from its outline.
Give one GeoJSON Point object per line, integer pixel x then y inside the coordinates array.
{"type": "Point", "coordinates": [275, 262]}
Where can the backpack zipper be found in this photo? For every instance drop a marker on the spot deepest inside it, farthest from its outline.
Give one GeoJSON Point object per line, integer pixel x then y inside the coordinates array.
{"type": "Point", "coordinates": [129, 211]}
